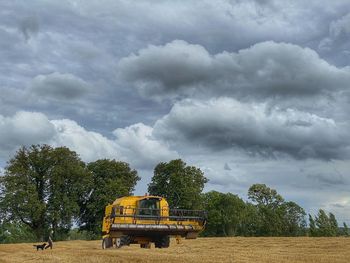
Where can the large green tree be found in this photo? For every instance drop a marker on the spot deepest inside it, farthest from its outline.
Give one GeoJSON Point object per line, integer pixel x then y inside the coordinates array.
{"type": "Point", "coordinates": [110, 179]}
{"type": "Point", "coordinates": [226, 214]}
{"type": "Point", "coordinates": [294, 222]}
{"type": "Point", "coordinates": [180, 184]}
{"type": "Point", "coordinates": [41, 188]}
{"type": "Point", "coordinates": [326, 225]}
{"type": "Point", "coordinates": [275, 216]}
{"type": "Point", "coordinates": [268, 203]}
{"type": "Point", "coordinates": [265, 196]}
{"type": "Point", "coordinates": [323, 224]}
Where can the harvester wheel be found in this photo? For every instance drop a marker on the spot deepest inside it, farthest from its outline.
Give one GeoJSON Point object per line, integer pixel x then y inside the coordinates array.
{"type": "Point", "coordinates": [122, 241]}
{"type": "Point", "coordinates": [162, 242]}
{"type": "Point", "coordinates": [148, 245]}
{"type": "Point", "coordinates": [107, 243]}
{"type": "Point", "coordinates": [125, 240]}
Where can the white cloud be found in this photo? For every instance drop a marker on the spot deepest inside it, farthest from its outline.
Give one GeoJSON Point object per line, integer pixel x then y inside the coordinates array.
{"type": "Point", "coordinates": [134, 144]}
{"type": "Point", "coordinates": [23, 128]}
{"type": "Point", "coordinates": [138, 144]}
{"type": "Point", "coordinates": [89, 145]}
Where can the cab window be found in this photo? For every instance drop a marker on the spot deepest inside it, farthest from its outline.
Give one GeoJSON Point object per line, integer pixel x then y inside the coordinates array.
{"type": "Point", "coordinates": [149, 207]}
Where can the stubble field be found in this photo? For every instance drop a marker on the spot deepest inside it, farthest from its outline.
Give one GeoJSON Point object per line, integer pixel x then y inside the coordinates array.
{"type": "Point", "coordinates": [237, 249]}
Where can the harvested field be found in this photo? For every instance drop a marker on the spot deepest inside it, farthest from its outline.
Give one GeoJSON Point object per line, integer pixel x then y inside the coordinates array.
{"type": "Point", "coordinates": [237, 249]}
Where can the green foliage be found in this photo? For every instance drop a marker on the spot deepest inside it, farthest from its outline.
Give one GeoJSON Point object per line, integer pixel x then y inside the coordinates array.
{"type": "Point", "coordinates": [45, 189]}
{"type": "Point", "coordinates": [269, 211]}
{"type": "Point", "coordinates": [252, 221]}
{"type": "Point", "coordinates": [334, 230]}
{"type": "Point", "coordinates": [110, 179]}
{"type": "Point", "coordinates": [225, 214]}
{"type": "Point", "coordinates": [264, 196]}
{"type": "Point", "coordinates": [15, 232]}
{"type": "Point", "coordinates": [77, 234]}
{"type": "Point", "coordinates": [294, 223]}
{"type": "Point", "coordinates": [181, 185]}
{"type": "Point", "coordinates": [324, 225]}
{"type": "Point", "coordinates": [327, 225]}
{"type": "Point", "coordinates": [275, 216]}
{"type": "Point", "coordinates": [312, 227]}
{"type": "Point", "coordinates": [41, 189]}
{"type": "Point", "coordinates": [345, 230]}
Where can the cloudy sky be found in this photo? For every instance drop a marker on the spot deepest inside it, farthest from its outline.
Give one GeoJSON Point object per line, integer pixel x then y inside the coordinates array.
{"type": "Point", "coordinates": [249, 91]}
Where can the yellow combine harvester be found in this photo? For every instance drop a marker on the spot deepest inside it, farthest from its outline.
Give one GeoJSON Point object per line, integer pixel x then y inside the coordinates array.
{"type": "Point", "coordinates": [147, 219]}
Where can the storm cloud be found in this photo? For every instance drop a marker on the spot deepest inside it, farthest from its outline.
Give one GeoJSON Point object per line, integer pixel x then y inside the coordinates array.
{"type": "Point", "coordinates": [29, 26]}
{"type": "Point", "coordinates": [60, 86]}
{"type": "Point", "coordinates": [226, 123]}
{"type": "Point", "coordinates": [265, 70]}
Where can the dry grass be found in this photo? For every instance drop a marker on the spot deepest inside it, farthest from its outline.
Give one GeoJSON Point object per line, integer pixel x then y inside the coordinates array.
{"type": "Point", "coordinates": [238, 249]}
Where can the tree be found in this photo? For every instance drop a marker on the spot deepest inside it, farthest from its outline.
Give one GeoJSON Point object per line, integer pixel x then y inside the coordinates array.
{"type": "Point", "coordinates": [265, 196]}
{"type": "Point", "coordinates": [270, 210]}
{"type": "Point", "coordinates": [323, 224]}
{"type": "Point", "coordinates": [42, 187]}
{"type": "Point", "coordinates": [294, 223]}
{"type": "Point", "coordinates": [275, 216]}
{"type": "Point", "coordinates": [181, 185]}
{"type": "Point", "coordinates": [110, 179]}
{"type": "Point", "coordinates": [312, 227]}
{"type": "Point", "coordinates": [251, 222]}
{"type": "Point", "coordinates": [15, 232]}
{"type": "Point", "coordinates": [333, 224]}
{"type": "Point", "coordinates": [225, 214]}
{"type": "Point", "coordinates": [345, 229]}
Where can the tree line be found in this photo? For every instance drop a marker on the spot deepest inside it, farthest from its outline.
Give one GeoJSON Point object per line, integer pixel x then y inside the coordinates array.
{"type": "Point", "coordinates": [51, 191]}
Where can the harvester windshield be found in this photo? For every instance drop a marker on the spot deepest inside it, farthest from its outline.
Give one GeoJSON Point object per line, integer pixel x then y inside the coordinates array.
{"type": "Point", "coordinates": [149, 206]}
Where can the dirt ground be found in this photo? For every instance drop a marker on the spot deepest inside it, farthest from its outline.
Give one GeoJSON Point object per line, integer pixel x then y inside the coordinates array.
{"type": "Point", "coordinates": [236, 249]}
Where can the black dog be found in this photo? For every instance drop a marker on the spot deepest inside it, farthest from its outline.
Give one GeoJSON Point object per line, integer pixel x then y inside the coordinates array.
{"type": "Point", "coordinates": [40, 246]}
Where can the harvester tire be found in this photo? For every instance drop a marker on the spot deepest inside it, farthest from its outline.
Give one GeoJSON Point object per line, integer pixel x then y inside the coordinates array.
{"type": "Point", "coordinates": [122, 241]}
{"type": "Point", "coordinates": [148, 245]}
{"type": "Point", "coordinates": [107, 242]}
{"type": "Point", "coordinates": [162, 242]}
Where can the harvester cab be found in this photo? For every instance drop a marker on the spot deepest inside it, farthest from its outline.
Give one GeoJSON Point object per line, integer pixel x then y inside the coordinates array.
{"type": "Point", "coordinates": [148, 219]}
